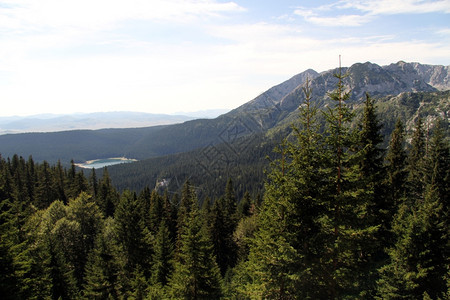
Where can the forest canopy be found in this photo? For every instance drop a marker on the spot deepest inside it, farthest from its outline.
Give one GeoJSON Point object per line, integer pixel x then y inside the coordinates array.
{"type": "Point", "coordinates": [341, 217]}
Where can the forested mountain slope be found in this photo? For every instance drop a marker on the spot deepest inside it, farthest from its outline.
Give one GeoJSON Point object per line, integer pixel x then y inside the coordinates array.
{"type": "Point", "coordinates": [342, 216]}
{"type": "Point", "coordinates": [245, 158]}
{"type": "Point", "coordinates": [265, 112]}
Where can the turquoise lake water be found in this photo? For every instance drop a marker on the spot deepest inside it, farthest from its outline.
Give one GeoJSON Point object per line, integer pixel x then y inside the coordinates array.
{"type": "Point", "coordinates": [104, 162]}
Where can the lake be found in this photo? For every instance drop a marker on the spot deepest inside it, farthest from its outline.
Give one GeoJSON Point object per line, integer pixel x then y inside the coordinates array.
{"type": "Point", "coordinates": [104, 162]}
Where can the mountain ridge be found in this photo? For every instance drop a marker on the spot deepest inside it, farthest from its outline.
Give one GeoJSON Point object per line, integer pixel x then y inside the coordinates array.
{"type": "Point", "coordinates": [97, 120]}
{"type": "Point", "coordinates": [259, 115]}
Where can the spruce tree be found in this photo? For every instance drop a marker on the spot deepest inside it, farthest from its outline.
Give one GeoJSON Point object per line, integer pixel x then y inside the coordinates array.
{"type": "Point", "coordinates": [58, 236]}
{"type": "Point", "coordinates": [45, 191]}
{"type": "Point", "coordinates": [347, 234]}
{"type": "Point", "coordinates": [162, 256]}
{"type": "Point", "coordinates": [84, 211]}
{"type": "Point", "coordinates": [284, 253]}
{"type": "Point", "coordinates": [377, 211]}
{"type": "Point", "coordinates": [132, 235]}
{"type": "Point", "coordinates": [416, 164]}
{"type": "Point", "coordinates": [419, 259]}
{"type": "Point", "coordinates": [196, 274]}
{"type": "Point", "coordinates": [107, 197]}
{"type": "Point", "coordinates": [396, 166]}
{"type": "Point", "coordinates": [187, 203]}
{"type": "Point", "coordinates": [102, 268]}
{"type": "Point", "coordinates": [223, 223]}
{"type": "Point", "coordinates": [93, 183]}
{"type": "Point", "coordinates": [155, 212]}
{"type": "Point", "coordinates": [437, 163]}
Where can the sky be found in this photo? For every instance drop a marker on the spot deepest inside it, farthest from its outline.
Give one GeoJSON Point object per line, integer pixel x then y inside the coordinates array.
{"type": "Point", "coordinates": [167, 56]}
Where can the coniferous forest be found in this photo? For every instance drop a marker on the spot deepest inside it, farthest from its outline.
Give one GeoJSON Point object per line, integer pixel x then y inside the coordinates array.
{"type": "Point", "coordinates": [341, 217]}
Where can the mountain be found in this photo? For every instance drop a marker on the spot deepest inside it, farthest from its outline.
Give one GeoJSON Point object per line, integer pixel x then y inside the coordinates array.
{"type": "Point", "coordinates": [99, 120]}
{"type": "Point", "coordinates": [272, 110]}
{"type": "Point", "coordinates": [376, 80]}
{"type": "Point", "coordinates": [245, 158]}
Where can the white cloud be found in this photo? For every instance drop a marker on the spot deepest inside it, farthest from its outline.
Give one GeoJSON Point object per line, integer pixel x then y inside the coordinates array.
{"type": "Point", "coordinates": [389, 7]}
{"type": "Point", "coordinates": [101, 14]}
{"type": "Point", "coordinates": [48, 55]}
{"type": "Point", "coordinates": [341, 20]}
{"type": "Point", "coordinates": [368, 9]}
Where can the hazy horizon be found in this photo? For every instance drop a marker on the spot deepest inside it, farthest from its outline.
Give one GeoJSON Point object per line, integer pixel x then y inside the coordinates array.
{"type": "Point", "coordinates": [167, 56]}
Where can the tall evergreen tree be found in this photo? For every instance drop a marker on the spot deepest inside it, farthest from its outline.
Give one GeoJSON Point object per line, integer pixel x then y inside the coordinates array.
{"type": "Point", "coordinates": [93, 183]}
{"type": "Point", "coordinates": [102, 268]}
{"type": "Point", "coordinates": [85, 212]}
{"type": "Point", "coordinates": [133, 237]}
{"type": "Point", "coordinates": [187, 203]}
{"type": "Point", "coordinates": [396, 166]}
{"type": "Point", "coordinates": [416, 164]}
{"type": "Point", "coordinates": [45, 191]}
{"type": "Point", "coordinates": [284, 254]}
{"type": "Point", "coordinates": [60, 182]}
{"type": "Point", "coordinates": [163, 256]}
{"type": "Point", "coordinates": [420, 257]}
{"type": "Point", "coordinates": [59, 235]}
{"type": "Point", "coordinates": [222, 226]}
{"type": "Point", "coordinates": [196, 274]}
{"type": "Point", "coordinates": [155, 211]}
{"type": "Point", "coordinates": [377, 208]}
{"type": "Point", "coordinates": [347, 235]}
{"type": "Point", "coordinates": [107, 196]}
{"type": "Point", "coordinates": [437, 163]}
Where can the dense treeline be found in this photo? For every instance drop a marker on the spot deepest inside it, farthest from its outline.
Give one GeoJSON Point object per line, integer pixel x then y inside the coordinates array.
{"type": "Point", "coordinates": [341, 218]}
{"type": "Point", "coordinates": [207, 168]}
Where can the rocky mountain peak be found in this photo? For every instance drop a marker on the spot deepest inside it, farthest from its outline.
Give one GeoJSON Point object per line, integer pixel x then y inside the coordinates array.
{"type": "Point", "coordinates": [375, 80]}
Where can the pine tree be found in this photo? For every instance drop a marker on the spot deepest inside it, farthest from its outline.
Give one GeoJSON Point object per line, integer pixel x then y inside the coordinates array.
{"type": "Point", "coordinates": [416, 164]}
{"type": "Point", "coordinates": [420, 257]}
{"type": "Point", "coordinates": [31, 179]}
{"type": "Point", "coordinates": [8, 239]}
{"type": "Point", "coordinates": [93, 183]}
{"type": "Point", "coordinates": [60, 182]}
{"type": "Point", "coordinates": [155, 211]}
{"type": "Point", "coordinates": [284, 253]}
{"type": "Point", "coordinates": [187, 203]}
{"type": "Point", "coordinates": [396, 166]}
{"type": "Point", "coordinates": [377, 208]}
{"type": "Point", "coordinates": [222, 226]}
{"type": "Point", "coordinates": [58, 236]}
{"type": "Point", "coordinates": [345, 229]}
{"type": "Point", "coordinates": [437, 163]}
{"type": "Point", "coordinates": [196, 274]}
{"type": "Point", "coordinates": [107, 196]}
{"type": "Point", "coordinates": [245, 206]}
{"type": "Point", "coordinates": [162, 257]}
{"type": "Point", "coordinates": [85, 212]}
{"type": "Point", "coordinates": [144, 201]}
{"type": "Point", "coordinates": [45, 191]}
{"type": "Point", "coordinates": [102, 268]}
{"type": "Point", "coordinates": [132, 235]}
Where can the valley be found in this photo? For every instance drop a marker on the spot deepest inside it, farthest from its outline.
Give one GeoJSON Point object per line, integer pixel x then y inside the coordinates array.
{"type": "Point", "coordinates": [311, 190]}
{"type": "Point", "coordinates": [209, 151]}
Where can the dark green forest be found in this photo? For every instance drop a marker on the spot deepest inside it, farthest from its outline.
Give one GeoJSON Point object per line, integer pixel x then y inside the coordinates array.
{"type": "Point", "coordinates": [342, 215]}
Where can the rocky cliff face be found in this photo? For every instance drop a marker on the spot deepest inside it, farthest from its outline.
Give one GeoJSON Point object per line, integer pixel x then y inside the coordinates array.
{"type": "Point", "coordinates": [275, 94]}
{"type": "Point", "coordinates": [436, 76]}
{"type": "Point", "coordinates": [375, 80]}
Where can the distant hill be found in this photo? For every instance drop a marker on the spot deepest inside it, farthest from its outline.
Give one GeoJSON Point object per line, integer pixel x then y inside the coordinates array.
{"type": "Point", "coordinates": [271, 111]}
{"type": "Point", "coordinates": [99, 120]}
